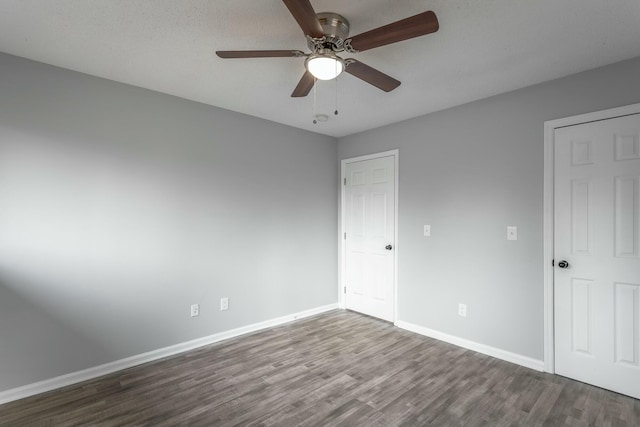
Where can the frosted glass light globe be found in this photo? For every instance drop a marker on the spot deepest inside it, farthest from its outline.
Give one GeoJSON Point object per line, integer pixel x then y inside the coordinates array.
{"type": "Point", "coordinates": [325, 67]}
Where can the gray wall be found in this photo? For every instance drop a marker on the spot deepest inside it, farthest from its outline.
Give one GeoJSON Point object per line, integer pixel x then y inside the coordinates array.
{"type": "Point", "coordinates": [120, 207]}
{"type": "Point", "coordinates": [469, 172]}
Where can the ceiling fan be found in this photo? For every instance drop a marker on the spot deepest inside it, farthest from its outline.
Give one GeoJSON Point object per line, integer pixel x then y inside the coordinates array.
{"type": "Point", "coordinates": [328, 34]}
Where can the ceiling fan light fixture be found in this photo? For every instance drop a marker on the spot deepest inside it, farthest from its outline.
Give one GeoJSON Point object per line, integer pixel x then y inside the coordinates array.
{"type": "Point", "coordinates": [324, 66]}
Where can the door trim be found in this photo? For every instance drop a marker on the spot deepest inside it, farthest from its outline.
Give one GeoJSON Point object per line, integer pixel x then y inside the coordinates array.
{"type": "Point", "coordinates": [548, 235]}
{"type": "Point", "coordinates": [342, 244]}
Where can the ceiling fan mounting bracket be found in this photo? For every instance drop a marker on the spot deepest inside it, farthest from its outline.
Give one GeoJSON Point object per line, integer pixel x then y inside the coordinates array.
{"type": "Point", "coordinates": [348, 48]}
{"type": "Point", "coordinates": [318, 43]}
{"type": "Point", "coordinates": [348, 62]}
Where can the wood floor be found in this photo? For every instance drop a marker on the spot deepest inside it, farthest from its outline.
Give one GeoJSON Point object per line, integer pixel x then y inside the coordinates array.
{"type": "Point", "coordinates": [338, 368]}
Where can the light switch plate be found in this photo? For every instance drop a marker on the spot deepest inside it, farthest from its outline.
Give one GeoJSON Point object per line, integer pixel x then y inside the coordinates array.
{"type": "Point", "coordinates": [427, 230]}
{"type": "Point", "coordinates": [195, 310]}
{"type": "Point", "coordinates": [512, 232]}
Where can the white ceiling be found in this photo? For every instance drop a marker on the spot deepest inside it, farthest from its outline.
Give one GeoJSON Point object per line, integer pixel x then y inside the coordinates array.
{"type": "Point", "coordinates": [482, 48]}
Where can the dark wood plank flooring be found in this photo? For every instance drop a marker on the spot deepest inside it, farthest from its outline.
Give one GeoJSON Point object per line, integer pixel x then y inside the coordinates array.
{"type": "Point", "coordinates": [338, 368]}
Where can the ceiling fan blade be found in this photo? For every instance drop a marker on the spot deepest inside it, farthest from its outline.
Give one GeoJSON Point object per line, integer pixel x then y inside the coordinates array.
{"type": "Point", "coordinates": [371, 75]}
{"type": "Point", "coordinates": [304, 86]}
{"type": "Point", "coordinates": [227, 54]}
{"type": "Point", "coordinates": [303, 12]}
{"type": "Point", "coordinates": [408, 28]}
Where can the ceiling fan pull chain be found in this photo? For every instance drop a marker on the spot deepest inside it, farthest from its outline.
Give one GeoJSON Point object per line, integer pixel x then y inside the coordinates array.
{"type": "Point", "coordinates": [336, 111]}
{"type": "Point", "coordinates": [315, 112]}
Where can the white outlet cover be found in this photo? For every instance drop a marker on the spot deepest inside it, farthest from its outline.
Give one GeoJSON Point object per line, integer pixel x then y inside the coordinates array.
{"type": "Point", "coordinates": [224, 304]}
{"type": "Point", "coordinates": [427, 230]}
{"type": "Point", "coordinates": [512, 232]}
{"type": "Point", "coordinates": [462, 310]}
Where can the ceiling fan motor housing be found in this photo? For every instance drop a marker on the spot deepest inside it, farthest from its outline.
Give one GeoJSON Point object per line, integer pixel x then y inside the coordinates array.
{"type": "Point", "coordinates": [336, 31]}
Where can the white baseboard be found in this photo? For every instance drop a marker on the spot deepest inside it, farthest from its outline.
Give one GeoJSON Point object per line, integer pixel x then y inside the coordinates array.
{"type": "Point", "coordinates": [518, 359]}
{"type": "Point", "coordinates": [118, 365]}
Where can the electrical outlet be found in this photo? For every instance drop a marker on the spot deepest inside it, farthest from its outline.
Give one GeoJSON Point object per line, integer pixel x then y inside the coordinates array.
{"type": "Point", "coordinates": [512, 232]}
{"type": "Point", "coordinates": [195, 310]}
{"type": "Point", "coordinates": [224, 304]}
{"type": "Point", "coordinates": [427, 230]}
{"type": "Point", "coordinates": [462, 310]}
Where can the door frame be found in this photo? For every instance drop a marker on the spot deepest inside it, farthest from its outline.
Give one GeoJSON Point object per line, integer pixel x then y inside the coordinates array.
{"type": "Point", "coordinates": [548, 208]}
{"type": "Point", "coordinates": [342, 250]}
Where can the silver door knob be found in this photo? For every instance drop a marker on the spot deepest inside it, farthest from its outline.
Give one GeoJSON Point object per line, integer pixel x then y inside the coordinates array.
{"type": "Point", "coordinates": [563, 264]}
{"type": "Point", "coordinates": [388, 247]}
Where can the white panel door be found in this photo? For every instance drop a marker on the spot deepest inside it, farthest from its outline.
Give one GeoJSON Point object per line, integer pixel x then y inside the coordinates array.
{"type": "Point", "coordinates": [369, 224]}
{"type": "Point", "coordinates": [597, 232]}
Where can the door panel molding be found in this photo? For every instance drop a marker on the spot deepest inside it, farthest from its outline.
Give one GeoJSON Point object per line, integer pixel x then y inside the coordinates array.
{"type": "Point", "coordinates": [342, 229]}
{"type": "Point", "coordinates": [548, 210]}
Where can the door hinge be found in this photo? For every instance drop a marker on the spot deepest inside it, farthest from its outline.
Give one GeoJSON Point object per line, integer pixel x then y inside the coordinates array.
{"type": "Point", "coordinates": [345, 181]}
{"type": "Point", "coordinates": [345, 235]}
{"type": "Point", "coordinates": [553, 263]}
{"type": "Point", "coordinates": [344, 289]}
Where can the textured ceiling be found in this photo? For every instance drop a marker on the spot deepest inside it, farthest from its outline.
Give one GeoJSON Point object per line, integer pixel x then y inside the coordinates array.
{"type": "Point", "coordinates": [482, 48]}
